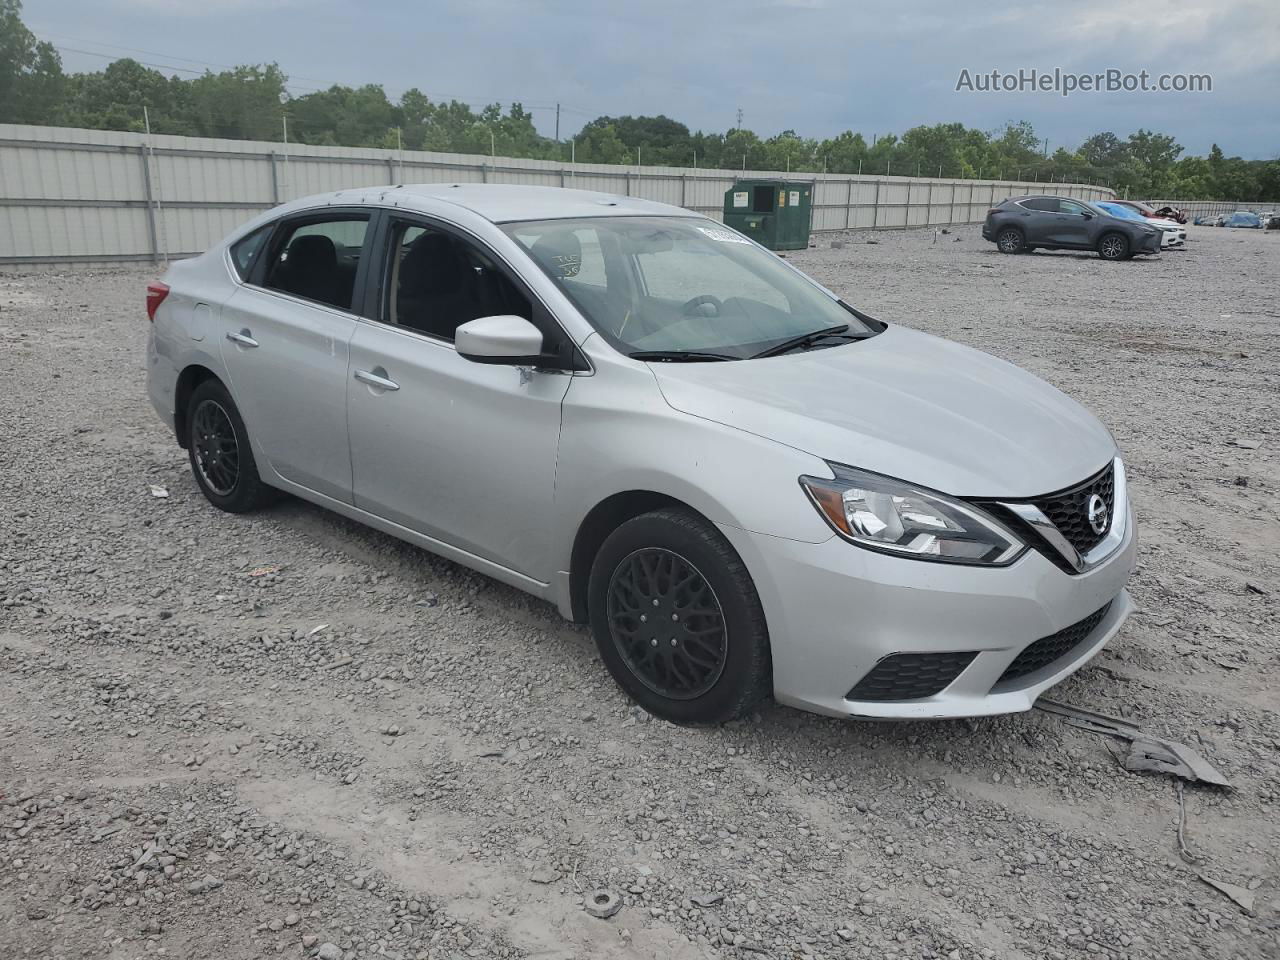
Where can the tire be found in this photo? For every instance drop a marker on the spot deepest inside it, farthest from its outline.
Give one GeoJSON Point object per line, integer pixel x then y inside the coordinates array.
{"type": "Point", "coordinates": [1114, 246]}
{"type": "Point", "coordinates": [712, 663]}
{"type": "Point", "coordinates": [220, 453]}
{"type": "Point", "coordinates": [1010, 240]}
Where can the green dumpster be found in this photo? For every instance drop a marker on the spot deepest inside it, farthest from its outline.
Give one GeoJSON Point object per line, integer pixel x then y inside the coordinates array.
{"type": "Point", "coordinates": [774, 213]}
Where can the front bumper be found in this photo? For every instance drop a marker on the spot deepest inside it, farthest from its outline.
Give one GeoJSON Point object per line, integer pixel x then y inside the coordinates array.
{"type": "Point", "coordinates": [834, 611]}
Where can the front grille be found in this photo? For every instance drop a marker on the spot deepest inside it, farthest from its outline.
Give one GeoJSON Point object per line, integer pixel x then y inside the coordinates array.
{"type": "Point", "coordinates": [910, 676]}
{"type": "Point", "coordinates": [1054, 647]}
{"type": "Point", "coordinates": [1069, 510]}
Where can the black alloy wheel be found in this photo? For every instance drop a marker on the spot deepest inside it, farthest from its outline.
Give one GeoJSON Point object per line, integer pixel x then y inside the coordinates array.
{"type": "Point", "coordinates": [220, 451]}
{"type": "Point", "coordinates": [215, 447]}
{"type": "Point", "coordinates": [667, 623]}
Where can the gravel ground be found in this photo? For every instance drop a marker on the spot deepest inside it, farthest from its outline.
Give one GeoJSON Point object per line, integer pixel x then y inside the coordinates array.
{"type": "Point", "coordinates": [239, 737]}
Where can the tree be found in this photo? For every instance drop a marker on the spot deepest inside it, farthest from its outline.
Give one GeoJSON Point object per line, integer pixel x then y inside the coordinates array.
{"type": "Point", "coordinates": [243, 103]}
{"type": "Point", "coordinates": [32, 85]}
{"type": "Point", "coordinates": [1104, 151]}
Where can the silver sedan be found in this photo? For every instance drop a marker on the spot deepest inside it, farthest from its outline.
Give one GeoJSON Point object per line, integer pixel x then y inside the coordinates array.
{"type": "Point", "coordinates": [745, 485]}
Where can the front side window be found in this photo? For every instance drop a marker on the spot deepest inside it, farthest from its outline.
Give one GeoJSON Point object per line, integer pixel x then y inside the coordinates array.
{"type": "Point", "coordinates": [680, 284]}
{"type": "Point", "coordinates": [438, 281]}
{"type": "Point", "coordinates": [318, 259]}
{"type": "Point", "coordinates": [1069, 206]}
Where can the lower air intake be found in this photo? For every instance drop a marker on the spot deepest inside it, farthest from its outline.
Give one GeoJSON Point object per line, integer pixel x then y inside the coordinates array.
{"type": "Point", "coordinates": [1054, 647]}
{"type": "Point", "coordinates": [910, 676]}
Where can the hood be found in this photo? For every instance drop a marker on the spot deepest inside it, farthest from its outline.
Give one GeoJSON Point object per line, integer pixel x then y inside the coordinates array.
{"type": "Point", "coordinates": [907, 405]}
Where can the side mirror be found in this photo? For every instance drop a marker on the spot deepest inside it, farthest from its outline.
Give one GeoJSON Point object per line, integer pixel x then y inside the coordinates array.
{"type": "Point", "coordinates": [508, 340]}
{"type": "Point", "coordinates": [1088, 216]}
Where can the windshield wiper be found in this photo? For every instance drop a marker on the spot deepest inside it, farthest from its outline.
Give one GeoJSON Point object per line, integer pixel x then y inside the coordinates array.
{"type": "Point", "coordinates": [807, 340]}
{"type": "Point", "coordinates": [679, 356]}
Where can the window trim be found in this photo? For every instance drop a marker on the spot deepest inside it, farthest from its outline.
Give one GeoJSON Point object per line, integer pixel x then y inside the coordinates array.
{"type": "Point", "coordinates": [377, 287]}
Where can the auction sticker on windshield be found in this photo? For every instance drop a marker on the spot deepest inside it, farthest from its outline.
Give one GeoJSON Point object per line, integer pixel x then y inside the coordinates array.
{"type": "Point", "coordinates": [724, 236]}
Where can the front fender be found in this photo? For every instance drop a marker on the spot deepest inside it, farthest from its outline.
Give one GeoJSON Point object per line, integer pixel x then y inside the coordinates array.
{"type": "Point", "coordinates": [619, 435]}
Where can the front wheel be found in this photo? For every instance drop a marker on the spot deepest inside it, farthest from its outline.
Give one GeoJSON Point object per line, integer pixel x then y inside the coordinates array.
{"type": "Point", "coordinates": [1113, 246]}
{"type": "Point", "coordinates": [677, 620]}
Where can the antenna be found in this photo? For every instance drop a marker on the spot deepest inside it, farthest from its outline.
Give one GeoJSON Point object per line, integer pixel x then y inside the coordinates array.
{"type": "Point", "coordinates": [739, 118]}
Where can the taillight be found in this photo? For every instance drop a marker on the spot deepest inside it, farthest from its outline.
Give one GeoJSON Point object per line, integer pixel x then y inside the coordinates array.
{"type": "Point", "coordinates": [156, 292]}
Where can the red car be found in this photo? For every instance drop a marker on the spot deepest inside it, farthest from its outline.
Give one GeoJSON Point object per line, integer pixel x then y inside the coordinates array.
{"type": "Point", "coordinates": [1150, 212]}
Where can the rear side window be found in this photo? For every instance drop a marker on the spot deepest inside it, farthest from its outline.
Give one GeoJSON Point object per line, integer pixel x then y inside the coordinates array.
{"type": "Point", "coordinates": [318, 259]}
{"type": "Point", "coordinates": [244, 253]}
{"type": "Point", "coordinates": [1043, 204]}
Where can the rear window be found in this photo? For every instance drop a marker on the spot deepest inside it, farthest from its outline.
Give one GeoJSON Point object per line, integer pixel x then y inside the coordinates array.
{"type": "Point", "coordinates": [244, 253]}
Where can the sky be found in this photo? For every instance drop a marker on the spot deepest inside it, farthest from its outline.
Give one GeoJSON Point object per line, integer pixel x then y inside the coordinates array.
{"type": "Point", "coordinates": [815, 66]}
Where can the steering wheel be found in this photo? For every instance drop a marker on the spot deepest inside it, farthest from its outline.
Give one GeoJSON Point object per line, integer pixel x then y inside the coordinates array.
{"type": "Point", "coordinates": [698, 301]}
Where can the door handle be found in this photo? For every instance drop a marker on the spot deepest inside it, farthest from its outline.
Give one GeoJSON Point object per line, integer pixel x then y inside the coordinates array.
{"type": "Point", "coordinates": [377, 377]}
{"type": "Point", "coordinates": [242, 338]}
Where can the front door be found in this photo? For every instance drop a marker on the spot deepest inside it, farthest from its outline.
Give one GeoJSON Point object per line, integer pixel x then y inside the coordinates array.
{"type": "Point", "coordinates": [459, 451]}
{"type": "Point", "coordinates": [1071, 228]}
{"type": "Point", "coordinates": [284, 342]}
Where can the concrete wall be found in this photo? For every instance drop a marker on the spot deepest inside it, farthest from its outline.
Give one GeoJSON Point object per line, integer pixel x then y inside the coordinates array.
{"type": "Point", "coordinates": [94, 196]}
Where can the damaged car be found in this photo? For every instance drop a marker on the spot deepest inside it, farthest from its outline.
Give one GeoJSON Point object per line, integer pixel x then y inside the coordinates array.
{"type": "Point", "coordinates": [744, 484]}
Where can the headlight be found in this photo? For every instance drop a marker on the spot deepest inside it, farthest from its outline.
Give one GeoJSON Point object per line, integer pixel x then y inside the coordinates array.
{"type": "Point", "coordinates": [894, 517]}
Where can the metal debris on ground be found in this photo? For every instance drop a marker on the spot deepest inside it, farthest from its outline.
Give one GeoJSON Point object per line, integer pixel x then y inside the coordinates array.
{"type": "Point", "coordinates": [265, 570]}
{"type": "Point", "coordinates": [1242, 897]}
{"type": "Point", "coordinates": [1184, 851]}
{"type": "Point", "coordinates": [1147, 754]}
{"type": "Point", "coordinates": [1153, 755]}
{"type": "Point", "coordinates": [602, 904]}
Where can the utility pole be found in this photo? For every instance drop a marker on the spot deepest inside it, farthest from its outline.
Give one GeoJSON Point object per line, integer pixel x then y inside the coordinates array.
{"type": "Point", "coordinates": [493, 150]}
{"type": "Point", "coordinates": [284, 122]}
{"type": "Point", "coordinates": [158, 216]}
{"type": "Point", "coordinates": [557, 123]}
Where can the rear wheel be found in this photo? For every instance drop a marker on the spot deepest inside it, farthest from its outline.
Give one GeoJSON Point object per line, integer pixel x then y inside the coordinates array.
{"type": "Point", "coordinates": [677, 619]}
{"type": "Point", "coordinates": [221, 457]}
{"type": "Point", "coordinates": [1113, 246]}
{"type": "Point", "coordinates": [1010, 240]}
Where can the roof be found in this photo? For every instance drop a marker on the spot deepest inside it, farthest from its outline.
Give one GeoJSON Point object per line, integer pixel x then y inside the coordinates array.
{"type": "Point", "coordinates": [501, 203]}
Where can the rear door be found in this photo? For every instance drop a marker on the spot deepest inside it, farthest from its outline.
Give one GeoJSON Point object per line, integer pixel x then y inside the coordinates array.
{"type": "Point", "coordinates": [284, 339]}
{"type": "Point", "coordinates": [1038, 216]}
{"type": "Point", "coordinates": [461, 452]}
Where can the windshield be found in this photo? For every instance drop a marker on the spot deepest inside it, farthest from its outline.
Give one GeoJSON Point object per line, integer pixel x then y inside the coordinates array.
{"type": "Point", "coordinates": [681, 285]}
{"type": "Point", "coordinates": [1120, 210]}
